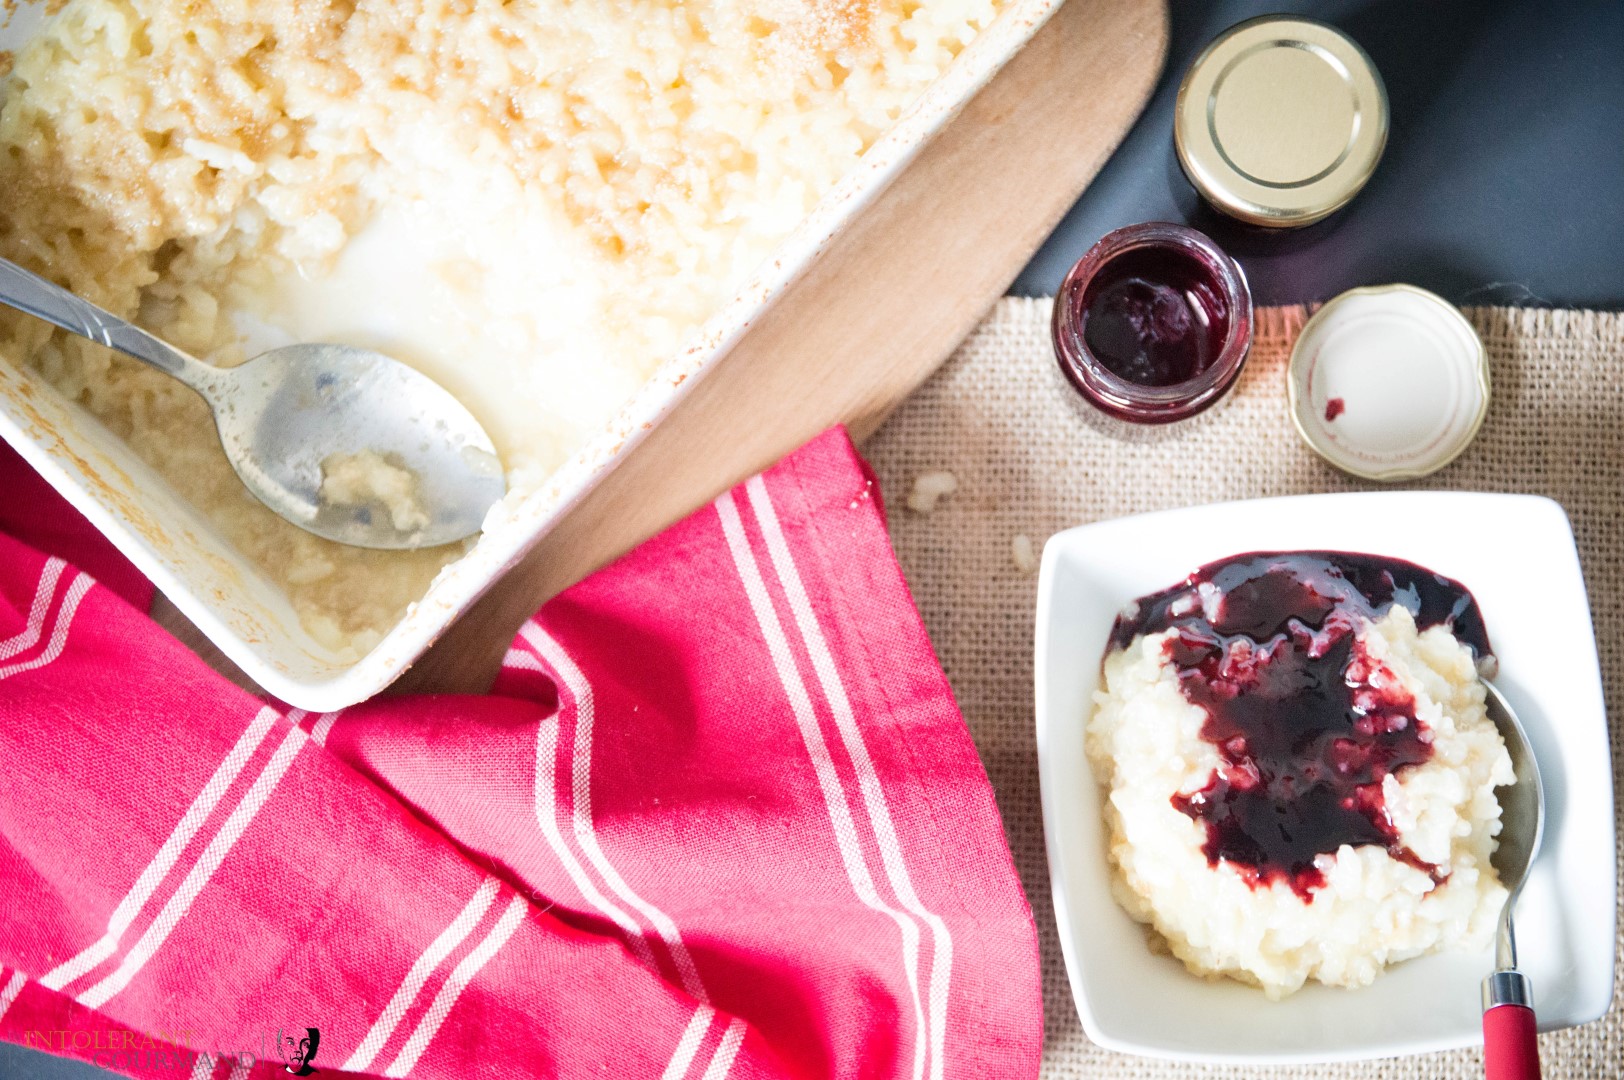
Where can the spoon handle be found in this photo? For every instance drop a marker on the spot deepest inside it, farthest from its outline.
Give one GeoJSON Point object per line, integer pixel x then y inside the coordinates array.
{"type": "Point", "coordinates": [1510, 1049]}
{"type": "Point", "coordinates": [30, 293]}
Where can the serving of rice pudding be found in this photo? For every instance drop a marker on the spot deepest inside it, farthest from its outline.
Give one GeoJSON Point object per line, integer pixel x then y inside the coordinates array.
{"type": "Point", "coordinates": [535, 202]}
{"type": "Point", "coordinates": [1299, 769]}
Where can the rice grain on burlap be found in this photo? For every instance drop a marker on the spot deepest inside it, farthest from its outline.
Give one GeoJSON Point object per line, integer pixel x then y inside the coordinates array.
{"type": "Point", "coordinates": [1026, 462]}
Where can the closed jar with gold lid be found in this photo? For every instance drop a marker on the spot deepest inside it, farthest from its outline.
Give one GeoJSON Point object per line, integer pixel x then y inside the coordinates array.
{"type": "Point", "coordinates": [1280, 121]}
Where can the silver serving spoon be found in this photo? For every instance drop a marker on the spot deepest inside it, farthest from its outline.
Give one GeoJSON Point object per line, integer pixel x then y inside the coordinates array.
{"type": "Point", "coordinates": [1510, 1051]}
{"type": "Point", "coordinates": [289, 414]}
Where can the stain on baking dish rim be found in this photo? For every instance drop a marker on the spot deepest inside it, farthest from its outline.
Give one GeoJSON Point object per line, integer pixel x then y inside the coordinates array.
{"type": "Point", "coordinates": [1388, 382]}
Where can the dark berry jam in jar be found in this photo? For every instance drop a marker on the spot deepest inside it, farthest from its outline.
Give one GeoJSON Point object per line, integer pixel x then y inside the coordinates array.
{"type": "Point", "coordinates": [1153, 324]}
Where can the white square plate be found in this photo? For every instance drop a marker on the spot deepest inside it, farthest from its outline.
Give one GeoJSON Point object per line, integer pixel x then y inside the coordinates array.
{"type": "Point", "coordinates": [1516, 553]}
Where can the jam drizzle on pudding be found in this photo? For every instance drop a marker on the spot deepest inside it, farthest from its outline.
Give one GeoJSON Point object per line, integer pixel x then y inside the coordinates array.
{"type": "Point", "coordinates": [1306, 722]}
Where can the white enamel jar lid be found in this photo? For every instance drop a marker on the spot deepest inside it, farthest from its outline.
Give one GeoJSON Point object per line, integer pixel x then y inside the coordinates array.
{"type": "Point", "coordinates": [1388, 382]}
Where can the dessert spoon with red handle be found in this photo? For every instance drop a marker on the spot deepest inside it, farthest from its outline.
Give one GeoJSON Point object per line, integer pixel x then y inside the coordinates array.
{"type": "Point", "coordinates": [1510, 1051]}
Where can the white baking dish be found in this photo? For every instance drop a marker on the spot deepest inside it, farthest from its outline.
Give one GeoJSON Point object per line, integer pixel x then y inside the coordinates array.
{"type": "Point", "coordinates": [248, 617]}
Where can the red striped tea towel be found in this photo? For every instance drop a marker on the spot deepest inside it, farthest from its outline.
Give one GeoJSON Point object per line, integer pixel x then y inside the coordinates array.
{"type": "Point", "coordinates": [720, 818]}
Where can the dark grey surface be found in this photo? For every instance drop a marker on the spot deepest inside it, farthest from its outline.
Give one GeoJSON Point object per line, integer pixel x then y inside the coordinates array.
{"type": "Point", "coordinates": [16, 1061]}
{"type": "Point", "coordinates": [1503, 180]}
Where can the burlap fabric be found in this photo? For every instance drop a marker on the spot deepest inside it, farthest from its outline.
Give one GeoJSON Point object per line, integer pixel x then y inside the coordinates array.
{"type": "Point", "coordinates": [1027, 463]}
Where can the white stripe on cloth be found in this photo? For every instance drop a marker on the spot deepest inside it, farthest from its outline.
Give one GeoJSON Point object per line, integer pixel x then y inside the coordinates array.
{"type": "Point", "coordinates": [722, 1061]}
{"type": "Point", "coordinates": [454, 985]}
{"type": "Point", "coordinates": [585, 832]}
{"type": "Point", "coordinates": [688, 1045]}
{"type": "Point", "coordinates": [324, 724]}
{"type": "Point", "coordinates": [198, 877]}
{"type": "Point", "coordinates": [432, 957]}
{"type": "Point", "coordinates": [834, 797]}
{"type": "Point", "coordinates": [59, 633]}
{"type": "Point", "coordinates": [518, 658]}
{"type": "Point", "coordinates": [151, 877]}
{"type": "Point", "coordinates": [547, 817]}
{"type": "Point", "coordinates": [580, 691]}
{"type": "Point", "coordinates": [43, 593]}
{"type": "Point", "coordinates": [851, 737]}
{"type": "Point", "coordinates": [14, 986]}
{"type": "Point", "coordinates": [203, 1067]}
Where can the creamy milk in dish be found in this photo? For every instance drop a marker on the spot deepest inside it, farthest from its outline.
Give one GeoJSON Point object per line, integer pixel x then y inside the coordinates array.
{"type": "Point", "coordinates": [1299, 768]}
{"type": "Point", "coordinates": [534, 202]}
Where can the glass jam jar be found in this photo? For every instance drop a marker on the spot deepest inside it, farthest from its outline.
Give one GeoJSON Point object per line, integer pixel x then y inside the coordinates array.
{"type": "Point", "coordinates": [1153, 324]}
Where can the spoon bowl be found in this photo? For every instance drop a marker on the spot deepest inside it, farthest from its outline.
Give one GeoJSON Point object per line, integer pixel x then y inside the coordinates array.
{"type": "Point", "coordinates": [1522, 818]}
{"type": "Point", "coordinates": [289, 417]}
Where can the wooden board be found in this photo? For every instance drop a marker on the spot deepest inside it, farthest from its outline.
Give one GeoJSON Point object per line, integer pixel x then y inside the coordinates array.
{"type": "Point", "coordinates": [883, 307]}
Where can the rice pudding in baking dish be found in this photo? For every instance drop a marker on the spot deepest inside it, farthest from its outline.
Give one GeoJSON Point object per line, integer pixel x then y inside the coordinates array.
{"type": "Point", "coordinates": [535, 203]}
{"type": "Point", "coordinates": [1299, 768]}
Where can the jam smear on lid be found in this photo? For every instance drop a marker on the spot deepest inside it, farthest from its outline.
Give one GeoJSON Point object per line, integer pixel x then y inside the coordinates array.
{"type": "Point", "coordinates": [1307, 724]}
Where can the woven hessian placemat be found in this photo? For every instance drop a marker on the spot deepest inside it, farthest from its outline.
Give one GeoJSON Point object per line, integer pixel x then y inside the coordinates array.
{"type": "Point", "coordinates": [1026, 463]}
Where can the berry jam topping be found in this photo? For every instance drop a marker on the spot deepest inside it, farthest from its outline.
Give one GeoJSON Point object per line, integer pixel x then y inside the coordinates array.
{"type": "Point", "coordinates": [1334, 408]}
{"type": "Point", "coordinates": [1155, 316]}
{"type": "Point", "coordinates": [1306, 722]}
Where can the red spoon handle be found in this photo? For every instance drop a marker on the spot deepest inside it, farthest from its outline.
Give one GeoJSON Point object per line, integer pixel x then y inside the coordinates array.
{"type": "Point", "coordinates": [1510, 1051]}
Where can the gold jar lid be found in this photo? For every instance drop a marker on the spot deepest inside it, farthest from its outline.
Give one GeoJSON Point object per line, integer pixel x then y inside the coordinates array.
{"type": "Point", "coordinates": [1280, 121]}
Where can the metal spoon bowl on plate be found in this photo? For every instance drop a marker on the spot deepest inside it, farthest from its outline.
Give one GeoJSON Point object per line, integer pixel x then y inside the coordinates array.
{"type": "Point", "coordinates": [422, 470]}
